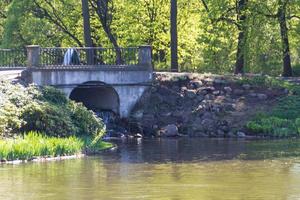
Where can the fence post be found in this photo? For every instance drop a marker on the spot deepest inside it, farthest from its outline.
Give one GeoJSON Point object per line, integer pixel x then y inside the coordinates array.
{"type": "Point", "coordinates": [145, 56]}
{"type": "Point", "coordinates": [33, 55]}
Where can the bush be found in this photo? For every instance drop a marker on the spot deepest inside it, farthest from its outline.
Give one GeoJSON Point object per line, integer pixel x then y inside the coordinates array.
{"type": "Point", "coordinates": [47, 110]}
{"type": "Point", "coordinates": [273, 126]}
{"type": "Point", "coordinates": [284, 119]}
{"type": "Point", "coordinates": [85, 121]}
{"type": "Point", "coordinates": [48, 118]}
{"type": "Point", "coordinates": [53, 95]}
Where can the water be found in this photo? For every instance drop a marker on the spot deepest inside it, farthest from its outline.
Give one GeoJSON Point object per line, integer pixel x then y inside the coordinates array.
{"type": "Point", "coordinates": [165, 169]}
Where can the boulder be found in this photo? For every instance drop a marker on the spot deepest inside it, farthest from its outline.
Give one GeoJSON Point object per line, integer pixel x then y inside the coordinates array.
{"type": "Point", "coordinates": [169, 131]}
{"type": "Point", "coordinates": [231, 135]}
{"type": "Point", "coordinates": [138, 135]}
{"type": "Point", "coordinates": [246, 87]}
{"type": "Point", "coordinates": [262, 96]}
{"type": "Point", "coordinates": [196, 84]}
{"type": "Point", "coordinates": [225, 128]}
{"type": "Point", "coordinates": [217, 92]}
{"type": "Point", "coordinates": [229, 107]}
{"type": "Point", "coordinates": [208, 124]}
{"type": "Point", "coordinates": [209, 81]}
{"type": "Point", "coordinates": [253, 95]}
{"type": "Point", "coordinates": [209, 89]}
{"type": "Point", "coordinates": [190, 94]}
{"type": "Point", "coordinates": [200, 97]}
{"type": "Point", "coordinates": [220, 133]}
{"type": "Point", "coordinates": [228, 89]}
{"type": "Point", "coordinates": [220, 81]}
{"type": "Point", "coordinates": [209, 97]}
{"type": "Point", "coordinates": [238, 92]}
{"type": "Point", "coordinates": [183, 89]}
{"type": "Point", "coordinates": [138, 114]}
{"type": "Point", "coordinates": [240, 134]}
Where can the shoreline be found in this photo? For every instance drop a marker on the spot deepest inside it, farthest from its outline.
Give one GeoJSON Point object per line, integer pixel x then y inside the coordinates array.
{"type": "Point", "coordinates": [57, 158]}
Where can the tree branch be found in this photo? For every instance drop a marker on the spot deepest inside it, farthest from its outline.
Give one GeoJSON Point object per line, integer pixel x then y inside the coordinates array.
{"type": "Point", "coordinates": [205, 5]}
{"type": "Point", "coordinates": [55, 20]}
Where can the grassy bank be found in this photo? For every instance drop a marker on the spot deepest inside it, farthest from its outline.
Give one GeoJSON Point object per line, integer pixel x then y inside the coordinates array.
{"type": "Point", "coordinates": [27, 111]}
{"type": "Point", "coordinates": [284, 119]}
{"type": "Point", "coordinates": [34, 145]}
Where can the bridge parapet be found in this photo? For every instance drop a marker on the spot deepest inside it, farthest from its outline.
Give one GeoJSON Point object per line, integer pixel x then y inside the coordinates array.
{"type": "Point", "coordinates": [120, 58]}
{"type": "Point", "coordinates": [128, 71]}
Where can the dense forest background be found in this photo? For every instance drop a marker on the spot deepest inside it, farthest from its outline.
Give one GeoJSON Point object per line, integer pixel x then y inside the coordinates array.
{"type": "Point", "coordinates": [216, 36]}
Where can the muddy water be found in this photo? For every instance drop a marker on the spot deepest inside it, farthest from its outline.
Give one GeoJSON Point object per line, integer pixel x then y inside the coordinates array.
{"type": "Point", "coordinates": [166, 169]}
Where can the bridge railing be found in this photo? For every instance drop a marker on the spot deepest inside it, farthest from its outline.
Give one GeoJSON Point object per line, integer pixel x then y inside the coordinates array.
{"type": "Point", "coordinates": [13, 58]}
{"type": "Point", "coordinates": [36, 57]}
{"type": "Point", "coordinates": [89, 57]}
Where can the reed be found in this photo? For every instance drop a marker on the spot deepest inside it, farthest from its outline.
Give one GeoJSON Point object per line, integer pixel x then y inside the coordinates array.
{"type": "Point", "coordinates": [37, 145]}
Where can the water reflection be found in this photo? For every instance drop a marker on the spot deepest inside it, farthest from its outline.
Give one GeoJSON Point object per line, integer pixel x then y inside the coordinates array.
{"type": "Point", "coordinates": [162, 169]}
{"type": "Point", "coordinates": [196, 150]}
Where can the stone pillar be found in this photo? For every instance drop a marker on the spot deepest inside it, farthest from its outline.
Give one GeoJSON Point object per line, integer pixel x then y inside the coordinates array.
{"type": "Point", "coordinates": [145, 56]}
{"type": "Point", "coordinates": [33, 55]}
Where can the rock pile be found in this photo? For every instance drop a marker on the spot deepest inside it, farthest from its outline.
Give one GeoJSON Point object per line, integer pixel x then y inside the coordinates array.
{"type": "Point", "coordinates": [195, 105]}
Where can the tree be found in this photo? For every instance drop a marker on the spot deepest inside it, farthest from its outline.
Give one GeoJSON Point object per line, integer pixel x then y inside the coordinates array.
{"type": "Point", "coordinates": [3, 15]}
{"type": "Point", "coordinates": [86, 23]}
{"type": "Point", "coordinates": [49, 10]}
{"type": "Point", "coordinates": [17, 10]}
{"type": "Point", "coordinates": [281, 15]}
{"type": "Point", "coordinates": [282, 18]}
{"type": "Point", "coordinates": [105, 10]}
{"type": "Point", "coordinates": [87, 31]}
{"type": "Point", "coordinates": [174, 37]}
{"type": "Point", "coordinates": [227, 15]}
{"type": "Point", "coordinates": [241, 18]}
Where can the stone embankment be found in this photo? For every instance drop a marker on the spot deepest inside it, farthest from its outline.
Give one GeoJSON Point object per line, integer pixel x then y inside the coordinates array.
{"type": "Point", "coordinates": [200, 106]}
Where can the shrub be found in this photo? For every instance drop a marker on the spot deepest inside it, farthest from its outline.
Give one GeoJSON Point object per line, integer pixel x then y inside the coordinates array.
{"type": "Point", "coordinates": [47, 110]}
{"type": "Point", "coordinates": [53, 95]}
{"type": "Point", "coordinates": [52, 119]}
{"type": "Point", "coordinates": [86, 121]}
{"type": "Point", "coordinates": [284, 119]}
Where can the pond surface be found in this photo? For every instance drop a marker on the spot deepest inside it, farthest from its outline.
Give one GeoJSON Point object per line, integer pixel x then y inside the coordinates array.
{"type": "Point", "coordinates": [165, 169]}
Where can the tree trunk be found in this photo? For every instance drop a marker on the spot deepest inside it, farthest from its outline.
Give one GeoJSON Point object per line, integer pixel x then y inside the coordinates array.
{"type": "Point", "coordinates": [104, 13]}
{"type": "Point", "coordinates": [287, 66]}
{"type": "Point", "coordinates": [87, 31]}
{"type": "Point", "coordinates": [114, 42]}
{"type": "Point", "coordinates": [240, 56]}
{"type": "Point", "coordinates": [174, 37]}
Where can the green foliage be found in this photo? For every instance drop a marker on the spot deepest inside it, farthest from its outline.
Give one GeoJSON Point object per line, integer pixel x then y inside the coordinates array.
{"type": "Point", "coordinates": [207, 37]}
{"type": "Point", "coordinates": [53, 95]}
{"type": "Point", "coordinates": [51, 119]}
{"type": "Point", "coordinates": [37, 145]}
{"type": "Point", "coordinates": [47, 110]}
{"type": "Point", "coordinates": [95, 145]}
{"type": "Point", "coordinates": [274, 126]}
{"type": "Point", "coordinates": [265, 81]}
{"type": "Point", "coordinates": [85, 121]}
{"type": "Point", "coordinates": [284, 119]}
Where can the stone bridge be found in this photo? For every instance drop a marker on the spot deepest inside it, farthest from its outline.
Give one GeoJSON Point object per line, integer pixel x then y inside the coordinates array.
{"type": "Point", "coordinates": [106, 86]}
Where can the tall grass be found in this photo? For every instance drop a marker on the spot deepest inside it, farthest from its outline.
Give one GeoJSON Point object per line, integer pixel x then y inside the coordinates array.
{"type": "Point", "coordinates": [36, 145]}
{"type": "Point", "coordinates": [284, 119]}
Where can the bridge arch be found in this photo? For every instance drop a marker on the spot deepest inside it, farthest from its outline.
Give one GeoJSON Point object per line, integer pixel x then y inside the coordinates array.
{"type": "Point", "coordinates": [97, 96]}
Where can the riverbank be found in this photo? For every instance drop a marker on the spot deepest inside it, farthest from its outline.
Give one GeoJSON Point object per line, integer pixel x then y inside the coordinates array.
{"type": "Point", "coordinates": [205, 105]}
{"type": "Point", "coordinates": [38, 123]}
{"type": "Point", "coordinates": [37, 147]}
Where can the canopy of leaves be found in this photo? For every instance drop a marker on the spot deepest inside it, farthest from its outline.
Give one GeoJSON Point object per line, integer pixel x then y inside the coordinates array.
{"type": "Point", "coordinates": [207, 30]}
